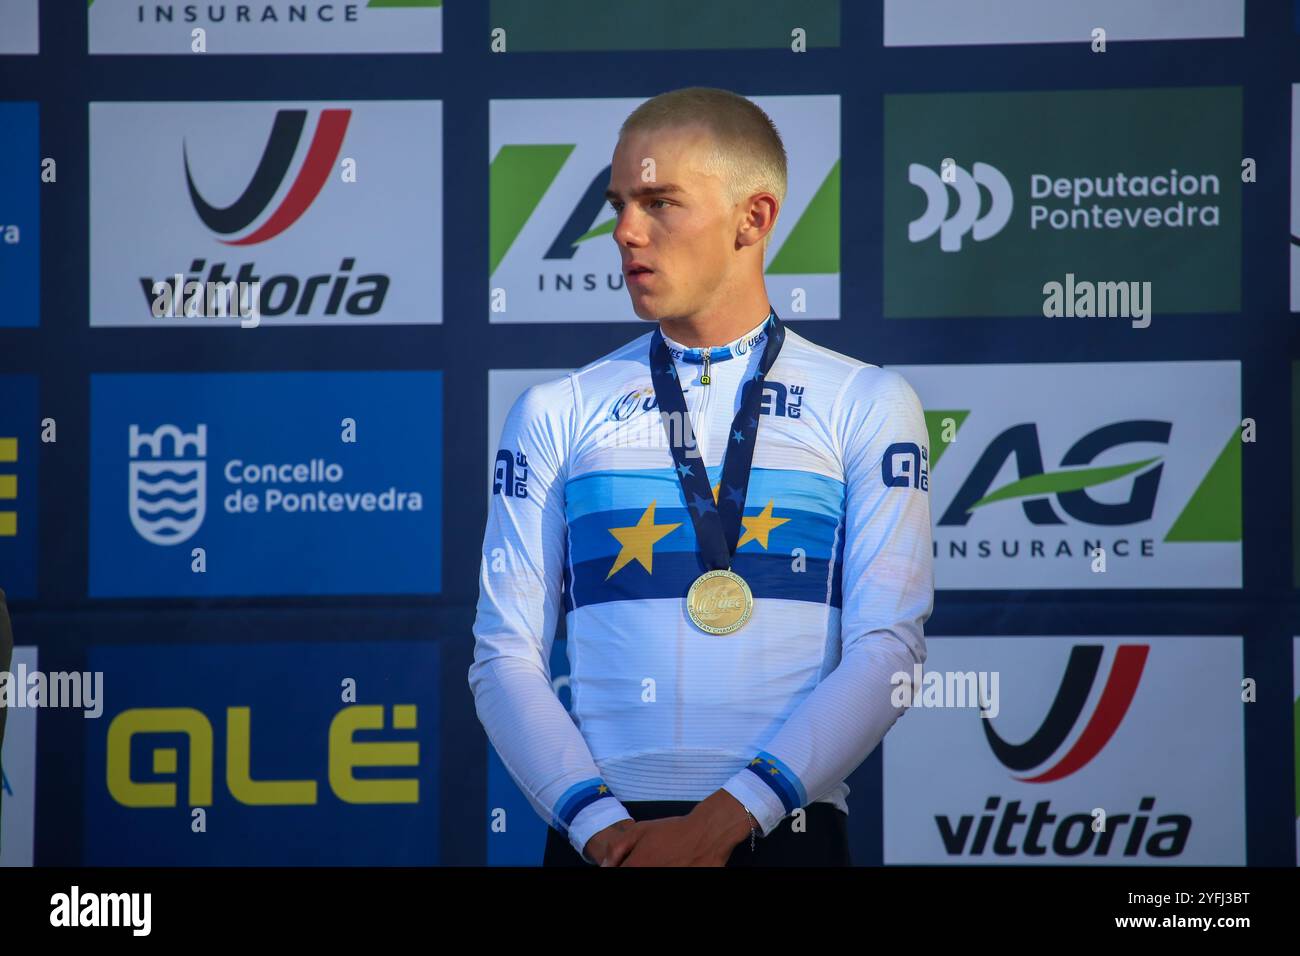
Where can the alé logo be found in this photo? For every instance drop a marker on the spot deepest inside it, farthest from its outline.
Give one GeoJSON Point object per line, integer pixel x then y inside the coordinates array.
{"type": "Point", "coordinates": [271, 171]}
{"type": "Point", "coordinates": [1048, 496]}
{"type": "Point", "coordinates": [954, 205]}
{"type": "Point", "coordinates": [1004, 831]}
{"type": "Point", "coordinates": [167, 482]}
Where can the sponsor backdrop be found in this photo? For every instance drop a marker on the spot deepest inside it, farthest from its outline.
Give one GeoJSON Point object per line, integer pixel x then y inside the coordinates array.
{"type": "Point", "coordinates": [272, 275]}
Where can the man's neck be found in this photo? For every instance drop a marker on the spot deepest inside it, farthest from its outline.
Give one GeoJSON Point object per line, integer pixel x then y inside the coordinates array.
{"type": "Point", "coordinates": [716, 327]}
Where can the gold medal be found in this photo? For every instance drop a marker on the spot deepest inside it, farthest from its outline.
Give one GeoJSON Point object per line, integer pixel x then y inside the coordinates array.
{"type": "Point", "coordinates": [719, 602]}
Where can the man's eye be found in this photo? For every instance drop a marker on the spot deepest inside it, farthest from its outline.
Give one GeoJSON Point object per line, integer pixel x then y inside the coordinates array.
{"type": "Point", "coordinates": [664, 201]}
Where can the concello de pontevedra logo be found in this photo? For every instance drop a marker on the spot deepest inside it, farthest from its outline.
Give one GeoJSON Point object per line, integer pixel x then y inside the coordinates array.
{"type": "Point", "coordinates": [1063, 715]}
{"type": "Point", "coordinates": [272, 168]}
{"type": "Point", "coordinates": [167, 494]}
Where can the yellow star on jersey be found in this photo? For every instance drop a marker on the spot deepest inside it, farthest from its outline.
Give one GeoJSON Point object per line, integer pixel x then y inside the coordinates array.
{"type": "Point", "coordinates": [639, 541]}
{"type": "Point", "coordinates": [759, 526]}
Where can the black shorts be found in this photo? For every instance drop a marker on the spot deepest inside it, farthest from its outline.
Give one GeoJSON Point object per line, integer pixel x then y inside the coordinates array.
{"type": "Point", "coordinates": [824, 840]}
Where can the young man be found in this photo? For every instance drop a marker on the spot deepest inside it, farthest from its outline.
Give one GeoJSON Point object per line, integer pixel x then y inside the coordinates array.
{"type": "Point", "coordinates": [736, 522]}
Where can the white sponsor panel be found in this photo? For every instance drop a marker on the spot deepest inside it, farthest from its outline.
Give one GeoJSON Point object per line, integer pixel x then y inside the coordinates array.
{"type": "Point", "coordinates": [550, 273]}
{"type": "Point", "coordinates": [1295, 197]}
{"type": "Point", "coordinates": [1035, 467]}
{"type": "Point", "coordinates": [505, 385]}
{"type": "Point", "coordinates": [335, 208]}
{"type": "Point", "coordinates": [1110, 751]}
{"type": "Point", "coordinates": [19, 26]}
{"type": "Point", "coordinates": [265, 26]}
{"type": "Point", "coordinates": [962, 23]}
{"type": "Point", "coordinates": [18, 801]}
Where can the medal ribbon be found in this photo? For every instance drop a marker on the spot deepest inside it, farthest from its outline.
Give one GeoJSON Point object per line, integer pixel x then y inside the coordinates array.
{"type": "Point", "coordinates": [717, 526]}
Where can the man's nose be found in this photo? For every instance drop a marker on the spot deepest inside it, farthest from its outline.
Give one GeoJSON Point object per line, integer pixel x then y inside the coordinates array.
{"type": "Point", "coordinates": [628, 228]}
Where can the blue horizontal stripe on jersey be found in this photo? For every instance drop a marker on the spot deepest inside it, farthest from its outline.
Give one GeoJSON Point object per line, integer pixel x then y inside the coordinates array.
{"type": "Point", "coordinates": [792, 490]}
{"type": "Point", "coordinates": [576, 798]}
{"type": "Point", "coordinates": [769, 575]}
{"type": "Point", "coordinates": [590, 537]}
{"type": "Point", "coordinates": [783, 781]}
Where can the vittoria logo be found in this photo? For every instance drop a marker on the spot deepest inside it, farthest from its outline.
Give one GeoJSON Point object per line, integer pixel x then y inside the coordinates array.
{"type": "Point", "coordinates": [1076, 687]}
{"type": "Point", "coordinates": [167, 488]}
{"type": "Point", "coordinates": [1097, 756]}
{"type": "Point", "coordinates": [282, 213]}
{"type": "Point", "coordinates": [271, 170]}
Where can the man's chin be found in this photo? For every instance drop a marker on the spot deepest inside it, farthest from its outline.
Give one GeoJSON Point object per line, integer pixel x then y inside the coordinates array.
{"type": "Point", "coordinates": [644, 310]}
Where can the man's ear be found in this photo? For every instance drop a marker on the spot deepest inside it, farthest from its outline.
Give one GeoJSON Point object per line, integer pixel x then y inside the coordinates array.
{"type": "Point", "coordinates": [759, 220]}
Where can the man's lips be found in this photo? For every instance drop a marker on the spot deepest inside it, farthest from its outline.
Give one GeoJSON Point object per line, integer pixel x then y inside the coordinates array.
{"type": "Point", "coordinates": [638, 274]}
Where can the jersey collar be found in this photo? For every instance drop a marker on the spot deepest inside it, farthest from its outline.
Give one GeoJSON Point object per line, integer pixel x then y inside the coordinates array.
{"type": "Point", "coordinates": [720, 353]}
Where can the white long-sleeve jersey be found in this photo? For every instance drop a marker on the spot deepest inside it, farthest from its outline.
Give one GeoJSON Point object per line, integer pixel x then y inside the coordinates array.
{"type": "Point", "coordinates": [587, 515]}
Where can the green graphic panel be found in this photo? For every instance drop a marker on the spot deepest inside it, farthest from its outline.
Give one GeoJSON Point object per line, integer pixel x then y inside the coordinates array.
{"type": "Point", "coordinates": [1096, 136]}
{"type": "Point", "coordinates": [565, 25]}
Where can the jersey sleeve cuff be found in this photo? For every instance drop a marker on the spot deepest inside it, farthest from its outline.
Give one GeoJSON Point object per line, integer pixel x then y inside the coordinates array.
{"type": "Point", "coordinates": [592, 819]}
{"type": "Point", "coordinates": [753, 793]}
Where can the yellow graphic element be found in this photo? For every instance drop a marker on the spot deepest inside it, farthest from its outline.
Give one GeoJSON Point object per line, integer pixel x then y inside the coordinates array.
{"type": "Point", "coordinates": [602, 789]}
{"type": "Point", "coordinates": [638, 541]}
{"type": "Point", "coordinates": [772, 770]}
{"type": "Point", "coordinates": [8, 488]}
{"type": "Point", "coordinates": [159, 720]}
{"type": "Point", "coordinates": [715, 492]}
{"type": "Point", "coordinates": [345, 754]}
{"type": "Point", "coordinates": [239, 769]}
{"type": "Point", "coordinates": [759, 526]}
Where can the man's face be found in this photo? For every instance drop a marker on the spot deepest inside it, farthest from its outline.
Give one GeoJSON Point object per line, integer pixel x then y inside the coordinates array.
{"type": "Point", "coordinates": [678, 225]}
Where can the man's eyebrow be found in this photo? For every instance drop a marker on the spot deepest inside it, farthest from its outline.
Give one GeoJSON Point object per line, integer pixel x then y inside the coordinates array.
{"type": "Point", "coordinates": [660, 189]}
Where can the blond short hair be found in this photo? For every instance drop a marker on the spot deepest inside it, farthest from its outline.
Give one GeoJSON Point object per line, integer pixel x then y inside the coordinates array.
{"type": "Point", "coordinates": [747, 155]}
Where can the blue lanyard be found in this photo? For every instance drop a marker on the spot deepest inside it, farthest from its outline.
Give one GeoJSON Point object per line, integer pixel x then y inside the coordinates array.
{"type": "Point", "coordinates": [717, 526]}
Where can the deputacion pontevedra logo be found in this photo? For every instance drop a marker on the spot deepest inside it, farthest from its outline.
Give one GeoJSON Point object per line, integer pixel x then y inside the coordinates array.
{"type": "Point", "coordinates": [951, 224]}
{"type": "Point", "coordinates": [1067, 707]}
{"type": "Point", "coordinates": [272, 168]}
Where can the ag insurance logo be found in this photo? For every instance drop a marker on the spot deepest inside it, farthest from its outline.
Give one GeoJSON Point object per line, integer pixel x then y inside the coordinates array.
{"type": "Point", "coordinates": [266, 26]}
{"type": "Point", "coordinates": [1097, 756]}
{"type": "Point", "coordinates": [1036, 468]}
{"type": "Point", "coordinates": [552, 256]}
{"type": "Point", "coordinates": [305, 214]}
{"type": "Point", "coordinates": [273, 483]}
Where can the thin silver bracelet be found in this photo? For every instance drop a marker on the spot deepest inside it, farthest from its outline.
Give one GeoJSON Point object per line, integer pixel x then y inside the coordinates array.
{"type": "Point", "coordinates": [753, 828]}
